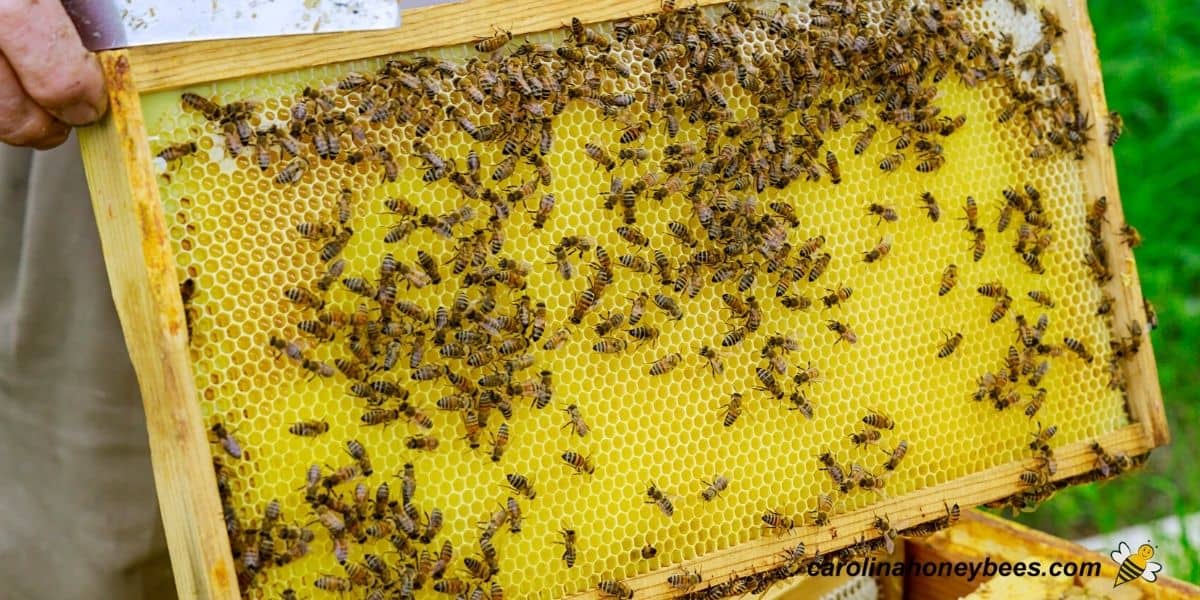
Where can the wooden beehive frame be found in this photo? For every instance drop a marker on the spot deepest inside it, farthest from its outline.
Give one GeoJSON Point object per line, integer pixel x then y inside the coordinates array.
{"type": "Point", "coordinates": [142, 271]}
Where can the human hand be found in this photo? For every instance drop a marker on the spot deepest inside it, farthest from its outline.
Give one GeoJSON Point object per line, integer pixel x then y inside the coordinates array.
{"type": "Point", "coordinates": [48, 81]}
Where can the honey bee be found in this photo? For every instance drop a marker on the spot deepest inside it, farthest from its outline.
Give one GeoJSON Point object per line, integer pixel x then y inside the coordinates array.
{"type": "Point", "coordinates": [889, 533]}
{"type": "Point", "coordinates": [557, 339]}
{"type": "Point", "coordinates": [885, 213]}
{"type": "Point", "coordinates": [820, 516]}
{"type": "Point", "coordinates": [493, 43]}
{"type": "Point", "coordinates": [891, 162]}
{"type": "Point", "coordinates": [734, 337]}
{"type": "Point", "coordinates": [896, 456]}
{"type": "Point", "coordinates": [880, 250]}
{"type": "Point", "coordinates": [292, 172]}
{"type": "Point", "coordinates": [684, 580]}
{"type": "Point", "coordinates": [648, 551]}
{"type": "Point", "coordinates": [332, 249]}
{"type": "Point", "coordinates": [950, 345]}
{"type": "Point", "coordinates": [831, 165]}
{"type": "Point", "coordinates": [1115, 126]}
{"type": "Point", "coordinates": [568, 542]}
{"type": "Point", "coordinates": [576, 422]}
{"type": "Point", "coordinates": [879, 420]}
{"type": "Point", "coordinates": [633, 235]}
{"type": "Point", "coordinates": [978, 245]}
{"type": "Point", "coordinates": [714, 488]}
{"type": "Point", "coordinates": [776, 521]}
{"type": "Point", "coordinates": [866, 436]}
{"type": "Point", "coordinates": [845, 333]}
{"type": "Point", "coordinates": [665, 364]}
{"type": "Point", "coordinates": [579, 462]}
{"type": "Point", "coordinates": [1078, 348]}
{"type": "Point", "coordinates": [993, 289]}
{"type": "Point", "coordinates": [713, 359]}
{"type": "Point", "coordinates": [733, 409]}
{"type": "Point", "coordinates": [863, 140]}
{"type": "Point", "coordinates": [211, 110]}
{"type": "Point", "coordinates": [660, 499]}
{"type": "Point", "coordinates": [175, 152]}
{"type": "Point", "coordinates": [543, 211]}
{"type": "Point", "coordinates": [330, 583]}
{"type": "Point", "coordinates": [308, 428]}
{"type": "Point", "coordinates": [819, 266]}
{"type": "Point", "coordinates": [841, 294]}
{"type": "Point", "coordinates": [427, 443]}
{"type": "Point", "coordinates": [596, 153]}
{"type": "Point", "coordinates": [520, 484]}
{"type": "Point", "coordinates": [615, 589]}
{"type": "Point", "coordinates": [228, 443]}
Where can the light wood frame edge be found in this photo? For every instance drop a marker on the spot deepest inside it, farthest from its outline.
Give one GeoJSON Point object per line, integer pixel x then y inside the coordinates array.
{"type": "Point", "coordinates": [164, 67]}
{"type": "Point", "coordinates": [1100, 179]}
{"type": "Point", "coordinates": [141, 270]}
{"type": "Point", "coordinates": [169, 66]}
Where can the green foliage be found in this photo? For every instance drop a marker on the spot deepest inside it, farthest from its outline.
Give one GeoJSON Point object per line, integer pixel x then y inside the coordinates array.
{"type": "Point", "coordinates": [1150, 56]}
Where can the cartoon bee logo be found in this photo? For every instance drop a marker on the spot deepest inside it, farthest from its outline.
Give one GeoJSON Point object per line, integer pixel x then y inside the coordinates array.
{"type": "Point", "coordinates": [1134, 564]}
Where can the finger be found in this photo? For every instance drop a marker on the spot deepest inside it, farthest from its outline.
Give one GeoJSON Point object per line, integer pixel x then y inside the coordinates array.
{"type": "Point", "coordinates": [22, 121]}
{"type": "Point", "coordinates": [44, 49]}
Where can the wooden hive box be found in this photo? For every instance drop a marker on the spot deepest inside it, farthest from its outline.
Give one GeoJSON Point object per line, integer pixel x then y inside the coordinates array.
{"type": "Point", "coordinates": [981, 536]}
{"type": "Point", "coordinates": [215, 217]}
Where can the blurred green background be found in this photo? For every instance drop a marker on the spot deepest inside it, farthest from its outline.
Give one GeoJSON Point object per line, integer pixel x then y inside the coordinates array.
{"type": "Point", "coordinates": [1150, 55]}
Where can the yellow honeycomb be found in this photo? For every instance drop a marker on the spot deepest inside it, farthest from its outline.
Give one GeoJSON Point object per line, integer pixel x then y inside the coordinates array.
{"type": "Point", "coordinates": [234, 232]}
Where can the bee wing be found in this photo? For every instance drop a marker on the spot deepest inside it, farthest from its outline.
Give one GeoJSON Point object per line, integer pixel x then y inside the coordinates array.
{"type": "Point", "coordinates": [1151, 569]}
{"type": "Point", "coordinates": [1121, 553]}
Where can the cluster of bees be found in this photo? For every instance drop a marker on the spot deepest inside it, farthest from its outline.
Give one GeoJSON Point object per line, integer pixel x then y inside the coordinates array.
{"type": "Point", "coordinates": [821, 74]}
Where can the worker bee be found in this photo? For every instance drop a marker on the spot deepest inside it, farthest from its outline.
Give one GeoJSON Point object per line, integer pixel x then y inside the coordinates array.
{"type": "Point", "coordinates": [879, 420]}
{"type": "Point", "coordinates": [896, 456]}
{"type": "Point", "coordinates": [579, 462]}
{"type": "Point", "coordinates": [576, 422]}
{"type": "Point", "coordinates": [175, 152]}
{"type": "Point", "coordinates": [845, 333]}
{"type": "Point", "coordinates": [841, 294]}
{"type": "Point", "coordinates": [1041, 298]}
{"type": "Point", "coordinates": [330, 583]}
{"type": "Point", "coordinates": [615, 589]}
{"type": "Point", "coordinates": [568, 542]}
{"type": "Point", "coordinates": [891, 162]}
{"type": "Point", "coordinates": [733, 409]}
{"type": "Point", "coordinates": [231, 445]}
{"type": "Point", "coordinates": [950, 345]}
{"type": "Point", "coordinates": [211, 110]}
{"type": "Point", "coordinates": [889, 533]}
{"type": "Point", "coordinates": [543, 211]}
{"type": "Point", "coordinates": [880, 250]}
{"type": "Point", "coordinates": [648, 551]}
{"type": "Point", "coordinates": [427, 443]}
{"type": "Point", "coordinates": [292, 172]}
{"type": "Point", "coordinates": [971, 211]}
{"type": "Point", "coordinates": [308, 428]}
{"type": "Point", "coordinates": [633, 235]}
{"type": "Point", "coordinates": [885, 213]}
{"type": "Point", "coordinates": [609, 345]}
{"type": "Point", "coordinates": [557, 339]}
{"type": "Point", "coordinates": [863, 140]}
{"type": "Point", "coordinates": [668, 305]}
{"type": "Point", "coordinates": [831, 165]}
{"type": "Point", "coordinates": [866, 436]}
{"type": "Point", "coordinates": [714, 488]}
{"type": "Point", "coordinates": [931, 207]}
{"type": "Point", "coordinates": [774, 520]}
{"type": "Point", "coordinates": [596, 153]}
{"type": "Point", "coordinates": [979, 245]}
{"type": "Point", "coordinates": [493, 43]}
{"type": "Point", "coordinates": [993, 289]}
{"type": "Point", "coordinates": [660, 499]}
{"type": "Point", "coordinates": [665, 364]}
{"type": "Point", "coordinates": [713, 359]}
{"type": "Point", "coordinates": [820, 516]}
{"type": "Point", "coordinates": [1115, 126]}
{"type": "Point", "coordinates": [520, 484]}
{"type": "Point", "coordinates": [734, 337]}
{"type": "Point", "coordinates": [1078, 348]}
{"type": "Point", "coordinates": [684, 580]}
{"type": "Point", "coordinates": [332, 249]}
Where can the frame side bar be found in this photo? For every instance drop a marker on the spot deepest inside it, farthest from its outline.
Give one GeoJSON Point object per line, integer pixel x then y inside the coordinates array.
{"type": "Point", "coordinates": [141, 269]}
